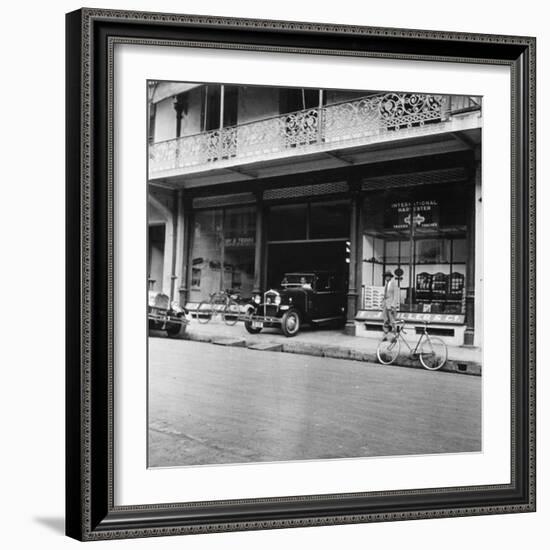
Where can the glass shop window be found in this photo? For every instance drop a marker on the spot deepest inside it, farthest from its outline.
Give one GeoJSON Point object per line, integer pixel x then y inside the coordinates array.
{"type": "Point", "coordinates": [239, 249]}
{"type": "Point", "coordinates": [206, 257]}
{"type": "Point", "coordinates": [223, 251]}
{"type": "Point", "coordinates": [419, 234]}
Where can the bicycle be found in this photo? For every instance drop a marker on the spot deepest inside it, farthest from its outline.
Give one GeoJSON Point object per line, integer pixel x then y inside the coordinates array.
{"type": "Point", "coordinates": [223, 302]}
{"type": "Point", "coordinates": [430, 350]}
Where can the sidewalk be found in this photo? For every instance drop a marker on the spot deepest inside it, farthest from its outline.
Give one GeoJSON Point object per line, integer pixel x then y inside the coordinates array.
{"type": "Point", "coordinates": [321, 343]}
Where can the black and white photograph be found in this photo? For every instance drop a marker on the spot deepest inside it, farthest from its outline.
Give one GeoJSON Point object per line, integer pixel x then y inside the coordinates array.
{"type": "Point", "coordinates": [314, 284]}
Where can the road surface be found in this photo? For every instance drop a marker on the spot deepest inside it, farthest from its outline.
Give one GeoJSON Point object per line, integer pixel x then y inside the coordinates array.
{"type": "Point", "coordinates": [210, 404]}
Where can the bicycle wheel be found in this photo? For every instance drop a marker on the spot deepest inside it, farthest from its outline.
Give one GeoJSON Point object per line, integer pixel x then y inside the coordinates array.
{"type": "Point", "coordinates": [231, 313]}
{"type": "Point", "coordinates": [433, 353]}
{"type": "Point", "coordinates": [204, 312]}
{"type": "Point", "coordinates": [388, 350]}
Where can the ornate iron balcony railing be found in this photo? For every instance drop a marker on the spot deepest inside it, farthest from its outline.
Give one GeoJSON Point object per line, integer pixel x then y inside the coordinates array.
{"type": "Point", "coordinates": [325, 128]}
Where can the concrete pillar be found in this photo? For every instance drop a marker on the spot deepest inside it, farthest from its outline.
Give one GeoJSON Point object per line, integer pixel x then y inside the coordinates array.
{"type": "Point", "coordinates": [354, 254]}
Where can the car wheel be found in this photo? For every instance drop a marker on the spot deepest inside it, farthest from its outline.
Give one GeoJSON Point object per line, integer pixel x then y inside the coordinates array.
{"type": "Point", "coordinates": [175, 330]}
{"type": "Point", "coordinates": [231, 313]}
{"type": "Point", "coordinates": [290, 323]}
{"type": "Point", "coordinates": [204, 312]}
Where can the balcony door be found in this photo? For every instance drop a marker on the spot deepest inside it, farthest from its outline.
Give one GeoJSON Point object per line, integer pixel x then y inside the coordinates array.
{"type": "Point", "coordinates": [298, 99]}
{"type": "Point", "coordinates": [212, 106]}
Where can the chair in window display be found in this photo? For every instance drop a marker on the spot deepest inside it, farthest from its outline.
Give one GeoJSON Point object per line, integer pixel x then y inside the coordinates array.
{"type": "Point", "coordinates": [440, 289]}
{"type": "Point", "coordinates": [456, 291]}
{"type": "Point", "coordinates": [423, 288]}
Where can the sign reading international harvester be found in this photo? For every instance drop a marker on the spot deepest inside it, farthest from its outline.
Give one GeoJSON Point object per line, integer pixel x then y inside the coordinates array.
{"type": "Point", "coordinates": [423, 213]}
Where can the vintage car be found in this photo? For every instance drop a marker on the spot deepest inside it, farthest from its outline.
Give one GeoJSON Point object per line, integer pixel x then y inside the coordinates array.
{"type": "Point", "coordinates": [165, 315]}
{"type": "Point", "coordinates": [313, 298]}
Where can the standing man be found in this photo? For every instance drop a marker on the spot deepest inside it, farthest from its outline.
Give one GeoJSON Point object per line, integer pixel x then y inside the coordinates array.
{"type": "Point", "coordinates": [390, 303]}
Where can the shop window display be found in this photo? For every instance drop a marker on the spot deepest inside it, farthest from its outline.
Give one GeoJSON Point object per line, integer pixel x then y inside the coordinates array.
{"type": "Point", "coordinates": [223, 251]}
{"type": "Point", "coordinates": [420, 235]}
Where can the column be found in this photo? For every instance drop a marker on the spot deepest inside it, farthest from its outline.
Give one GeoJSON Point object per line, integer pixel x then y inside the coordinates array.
{"type": "Point", "coordinates": [168, 261]}
{"type": "Point", "coordinates": [184, 248]}
{"type": "Point", "coordinates": [353, 261]}
{"type": "Point", "coordinates": [174, 254]}
{"type": "Point", "coordinates": [180, 105]}
{"type": "Point", "coordinates": [471, 261]}
{"type": "Point", "coordinates": [478, 224]}
{"type": "Point", "coordinates": [258, 253]}
{"type": "Point", "coordinates": [178, 246]}
{"type": "Point", "coordinates": [359, 255]}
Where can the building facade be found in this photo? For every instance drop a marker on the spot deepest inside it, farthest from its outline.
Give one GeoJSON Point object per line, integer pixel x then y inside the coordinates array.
{"type": "Point", "coordinates": [247, 183]}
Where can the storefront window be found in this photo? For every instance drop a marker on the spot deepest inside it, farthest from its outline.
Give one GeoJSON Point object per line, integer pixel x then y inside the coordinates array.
{"type": "Point", "coordinates": [419, 234]}
{"type": "Point", "coordinates": [223, 251]}
{"type": "Point", "coordinates": [239, 248]}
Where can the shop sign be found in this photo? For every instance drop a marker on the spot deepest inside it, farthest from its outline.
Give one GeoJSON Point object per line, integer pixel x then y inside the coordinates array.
{"type": "Point", "coordinates": [424, 213]}
{"type": "Point", "coordinates": [239, 242]}
{"type": "Point", "coordinates": [436, 318]}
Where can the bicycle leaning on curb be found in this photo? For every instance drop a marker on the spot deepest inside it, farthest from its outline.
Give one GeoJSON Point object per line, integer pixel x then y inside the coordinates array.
{"type": "Point", "coordinates": [224, 302]}
{"type": "Point", "coordinates": [430, 350]}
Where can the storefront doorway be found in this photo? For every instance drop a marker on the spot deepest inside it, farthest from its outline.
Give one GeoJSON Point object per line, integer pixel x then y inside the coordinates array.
{"type": "Point", "coordinates": [311, 236]}
{"type": "Point", "coordinates": [307, 256]}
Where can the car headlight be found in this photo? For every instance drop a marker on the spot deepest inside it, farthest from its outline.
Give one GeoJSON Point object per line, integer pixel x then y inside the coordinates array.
{"type": "Point", "coordinates": [257, 299]}
{"type": "Point", "coordinates": [277, 300]}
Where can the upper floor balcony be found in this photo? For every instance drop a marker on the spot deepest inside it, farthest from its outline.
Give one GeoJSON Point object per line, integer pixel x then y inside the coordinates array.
{"type": "Point", "coordinates": [371, 119]}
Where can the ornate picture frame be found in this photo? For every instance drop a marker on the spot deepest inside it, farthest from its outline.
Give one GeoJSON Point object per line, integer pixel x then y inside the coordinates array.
{"type": "Point", "coordinates": [91, 511]}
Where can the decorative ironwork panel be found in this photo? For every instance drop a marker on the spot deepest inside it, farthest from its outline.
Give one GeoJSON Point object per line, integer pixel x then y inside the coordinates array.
{"type": "Point", "coordinates": [306, 190]}
{"type": "Point", "coordinates": [418, 178]}
{"type": "Point", "coordinates": [352, 120]}
{"type": "Point", "coordinates": [224, 200]}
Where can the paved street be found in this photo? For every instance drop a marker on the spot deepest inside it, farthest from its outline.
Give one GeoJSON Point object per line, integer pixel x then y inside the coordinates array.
{"type": "Point", "coordinates": [210, 404]}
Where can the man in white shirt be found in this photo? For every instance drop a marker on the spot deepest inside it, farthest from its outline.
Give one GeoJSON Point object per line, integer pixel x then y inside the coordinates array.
{"type": "Point", "coordinates": [305, 283]}
{"type": "Point", "coordinates": [390, 303]}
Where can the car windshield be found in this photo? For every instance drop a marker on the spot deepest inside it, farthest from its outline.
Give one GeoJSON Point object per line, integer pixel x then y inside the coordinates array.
{"type": "Point", "coordinates": [298, 279]}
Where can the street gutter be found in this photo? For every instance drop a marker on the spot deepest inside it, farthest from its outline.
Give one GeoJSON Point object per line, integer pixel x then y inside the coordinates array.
{"type": "Point", "coordinates": [456, 366]}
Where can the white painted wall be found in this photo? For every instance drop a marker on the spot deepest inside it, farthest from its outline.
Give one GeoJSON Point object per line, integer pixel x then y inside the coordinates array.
{"type": "Point", "coordinates": [165, 122]}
